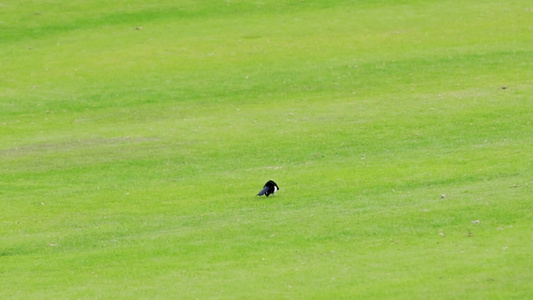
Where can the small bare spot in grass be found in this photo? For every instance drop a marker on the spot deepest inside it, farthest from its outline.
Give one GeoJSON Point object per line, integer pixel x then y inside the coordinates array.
{"type": "Point", "coordinates": [274, 167]}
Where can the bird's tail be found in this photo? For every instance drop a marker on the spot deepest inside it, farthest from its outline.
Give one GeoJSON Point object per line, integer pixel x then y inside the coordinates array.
{"type": "Point", "coordinates": [263, 191]}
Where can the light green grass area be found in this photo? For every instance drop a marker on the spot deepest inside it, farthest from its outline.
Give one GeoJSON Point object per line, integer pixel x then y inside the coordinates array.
{"type": "Point", "coordinates": [134, 136]}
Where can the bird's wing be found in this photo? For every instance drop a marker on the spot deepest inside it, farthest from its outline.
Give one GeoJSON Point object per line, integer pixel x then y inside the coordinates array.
{"type": "Point", "coordinates": [263, 191]}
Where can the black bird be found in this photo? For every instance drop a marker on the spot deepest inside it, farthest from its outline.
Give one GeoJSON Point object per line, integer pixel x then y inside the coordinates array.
{"type": "Point", "coordinates": [270, 188]}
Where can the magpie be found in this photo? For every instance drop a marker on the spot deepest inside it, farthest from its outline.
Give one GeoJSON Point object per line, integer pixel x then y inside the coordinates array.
{"type": "Point", "coordinates": [270, 188]}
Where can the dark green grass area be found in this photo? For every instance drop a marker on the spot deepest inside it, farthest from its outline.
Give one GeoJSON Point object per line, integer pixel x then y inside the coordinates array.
{"type": "Point", "coordinates": [134, 137]}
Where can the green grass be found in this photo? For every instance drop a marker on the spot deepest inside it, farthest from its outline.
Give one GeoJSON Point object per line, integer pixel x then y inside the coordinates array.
{"type": "Point", "coordinates": [135, 135]}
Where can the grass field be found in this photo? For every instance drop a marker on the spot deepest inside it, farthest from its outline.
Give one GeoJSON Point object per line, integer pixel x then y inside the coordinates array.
{"type": "Point", "coordinates": [135, 135]}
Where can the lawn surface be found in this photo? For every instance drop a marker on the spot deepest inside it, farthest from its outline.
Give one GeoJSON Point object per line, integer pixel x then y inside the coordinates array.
{"type": "Point", "coordinates": [135, 135]}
